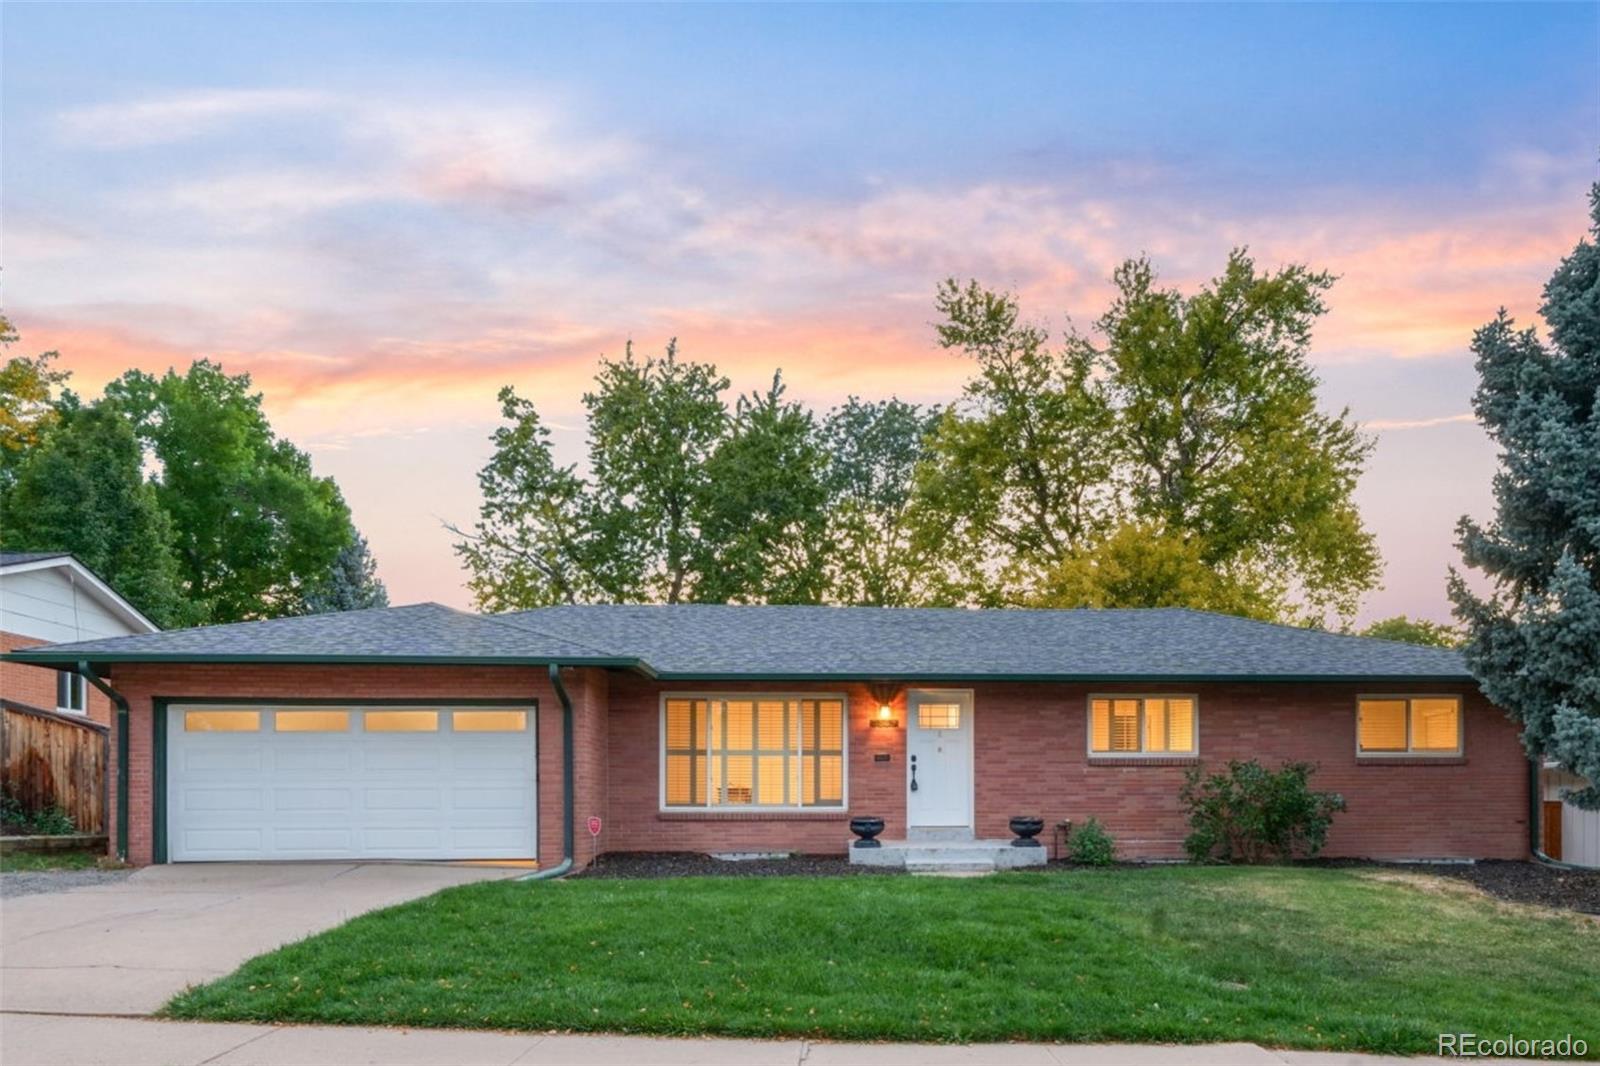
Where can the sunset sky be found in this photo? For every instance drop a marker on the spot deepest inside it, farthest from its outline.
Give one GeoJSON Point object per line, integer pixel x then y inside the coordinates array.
{"type": "Point", "coordinates": [385, 213]}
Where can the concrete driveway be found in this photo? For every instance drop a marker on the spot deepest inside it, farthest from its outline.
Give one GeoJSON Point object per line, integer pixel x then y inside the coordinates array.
{"type": "Point", "coordinates": [127, 948]}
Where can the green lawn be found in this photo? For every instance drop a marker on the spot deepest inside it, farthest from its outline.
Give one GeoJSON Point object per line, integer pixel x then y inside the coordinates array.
{"type": "Point", "coordinates": [28, 861]}
{"type": "Point", "coordinates": [1289, 957]}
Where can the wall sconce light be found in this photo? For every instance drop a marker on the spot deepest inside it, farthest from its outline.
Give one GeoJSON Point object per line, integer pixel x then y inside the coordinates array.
{"type": "Point", "coordinates": [883, 694]}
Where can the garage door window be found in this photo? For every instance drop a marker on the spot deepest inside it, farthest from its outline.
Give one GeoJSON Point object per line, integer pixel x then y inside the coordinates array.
{"type": "Point", "coordinates": [221, 721]}
{"type": "Point", "coordinates": [490, 721]}
{"type": "Point", "coordinates": [312, 721]}
{"type": "Point", "coordinates": [402, 721]}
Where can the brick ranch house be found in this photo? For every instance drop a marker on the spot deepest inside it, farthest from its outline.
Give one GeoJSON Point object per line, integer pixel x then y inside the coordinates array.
{"type": "Point", "coordinates": [422, 732]}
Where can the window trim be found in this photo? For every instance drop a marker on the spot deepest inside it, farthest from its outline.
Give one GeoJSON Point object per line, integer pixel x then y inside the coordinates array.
{"type": "Point", "coordinates": [76, 683]}
{"type": "Point", "coordinates": [750, 808]}
{"type": "Point", "coordinates": [1409, 752]}
{"type": "Point", "coordinates": [1142, 754]}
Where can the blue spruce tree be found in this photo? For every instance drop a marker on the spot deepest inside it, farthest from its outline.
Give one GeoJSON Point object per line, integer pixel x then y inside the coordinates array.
{"type": "Point", "coordinates": [1534, 642]}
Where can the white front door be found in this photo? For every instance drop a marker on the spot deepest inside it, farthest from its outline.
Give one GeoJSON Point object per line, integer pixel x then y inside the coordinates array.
{"type": "Point", "coordinates": [939, 759]}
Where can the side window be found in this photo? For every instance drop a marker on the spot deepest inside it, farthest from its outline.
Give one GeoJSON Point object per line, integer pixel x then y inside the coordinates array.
{"type": "Point", "coordinates": [71, 692]}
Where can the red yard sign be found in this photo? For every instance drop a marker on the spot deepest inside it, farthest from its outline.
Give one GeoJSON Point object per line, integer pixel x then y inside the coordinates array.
{"type": "Point", "coordinates": [594, 826]}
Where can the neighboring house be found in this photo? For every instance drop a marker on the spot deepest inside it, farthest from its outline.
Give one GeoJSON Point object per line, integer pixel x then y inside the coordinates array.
{"type": "Point", "coordinates": [51, 598]}
{"type": "Point", "coordinates": [1570, 833]}
{"type": "Point", "coordinates": [427, 733]}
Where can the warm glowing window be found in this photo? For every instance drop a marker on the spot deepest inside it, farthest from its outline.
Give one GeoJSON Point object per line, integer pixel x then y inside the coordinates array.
{"type": "Point", "coordinates": [402, 721]}
{"type": "Point", "coordinates": [490, 721]}
{"type": "Point", "coordinates": [312, 721]}
{"type": "Point", "coordinates": [221, 721]}
{"type": "Point", "coordinates": [1142, 725]}
{"type": "Point", "coordinates": [754, 751]}
{"type": "Point", "coordinates": [938, 716]}
{"type": "Point", "coordinates": [1409, 725]}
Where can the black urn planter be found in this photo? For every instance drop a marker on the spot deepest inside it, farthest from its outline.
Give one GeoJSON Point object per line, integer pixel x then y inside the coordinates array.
{"type": "Point", "coordinates": [1026, 829]}
{"type": "Point", "coordinates": [866, 829]}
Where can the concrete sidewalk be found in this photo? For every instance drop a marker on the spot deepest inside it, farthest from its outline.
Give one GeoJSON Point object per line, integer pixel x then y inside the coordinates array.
{"type": "Point", "coordinates": [47, 1040]}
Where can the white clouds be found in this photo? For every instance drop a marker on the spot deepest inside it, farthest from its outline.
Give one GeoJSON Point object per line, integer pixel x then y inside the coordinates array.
{"type": "Point", "coordinates": [178, 117]}
{"type": "Point", "coordinates": [1419, 423]}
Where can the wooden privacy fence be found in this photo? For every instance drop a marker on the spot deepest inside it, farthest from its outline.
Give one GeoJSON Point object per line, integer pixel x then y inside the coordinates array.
{"type": "Point", "coordinates": [53, 759]}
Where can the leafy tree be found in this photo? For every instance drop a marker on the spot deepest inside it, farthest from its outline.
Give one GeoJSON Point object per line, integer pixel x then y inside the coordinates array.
{"type": "Point", "coordinates": [82, 490]}
{"type": "Point", "coordinates": [1181, 461]}
{"type": "Point", "coordinates": [352, 584]}
{"type": "Point", "coordinates": [762, 515]}
{"type": "Point", "coordinates": [1218, 424]}
{"type": "Point", "coordinates": [529, 546]}
{"type": "Point", "coordinates": [27, 401]}
{"type": "Point", "coordinates": [1534, 641]}
{"type": "Point", "coordinates": [256, 531]}
{"type": "Point", "coordinates": [1414, 631]}
{"type": "Point", "coordinates": [874, 451]}
{"type": "Point", "coordinates": [1018, 476]}
{"type": "Point", "coordinates": [685, 500]}
{"type": "Point", "coordinates": [653, 427]}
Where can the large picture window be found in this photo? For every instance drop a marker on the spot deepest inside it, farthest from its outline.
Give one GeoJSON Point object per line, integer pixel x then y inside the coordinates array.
{"type": "Point", "coordinates": [1408, 725]}
{"type": "Point", "coordinates": [753, 751]}
{"type": "Point", "coordinates": [1142, 725]}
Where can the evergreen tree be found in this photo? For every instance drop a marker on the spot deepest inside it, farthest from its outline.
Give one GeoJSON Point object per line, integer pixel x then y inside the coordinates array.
{"type": "Point", "coordinates": [1534, 641]}
{"type": "Point", "coordinates": [351, 584]}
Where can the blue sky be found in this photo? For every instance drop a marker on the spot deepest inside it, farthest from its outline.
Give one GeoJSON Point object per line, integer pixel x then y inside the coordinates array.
{"type": "Point", "coordinates": [385, 212]}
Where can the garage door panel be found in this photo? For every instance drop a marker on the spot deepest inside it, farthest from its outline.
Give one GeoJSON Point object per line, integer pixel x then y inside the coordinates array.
{"type": "Point", "coordinates": [314, 801]}
{"type": "Point", "coordinates": [418, 753]}
{"type": "Point", "coordinates": [480, 756]}
{"type": "Point", "coordinates": [223, 799]}
{"type": "Point", "coordinates": [208, 756]}
{"type": "Point", "coordinates": [410, 794]}
{"type": "Point", "coordinates": [292, 757]}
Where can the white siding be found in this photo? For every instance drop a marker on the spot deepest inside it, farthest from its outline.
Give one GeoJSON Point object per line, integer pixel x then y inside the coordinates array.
{"type": "Point", "coordinates": [1580, 829]}
{"type": "Point", "coordinates": [45, 604]}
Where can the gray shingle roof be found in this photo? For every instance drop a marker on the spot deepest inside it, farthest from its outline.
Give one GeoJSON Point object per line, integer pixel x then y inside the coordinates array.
{"type": "Point", "coordinates": [422, 631]}
{"type": "Point", "coordinates": [684, 642]}
{"type": "Point", "coordinates": [14, 558]}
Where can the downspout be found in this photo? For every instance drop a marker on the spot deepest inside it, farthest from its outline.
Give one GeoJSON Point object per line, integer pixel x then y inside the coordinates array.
{"type": "Point", "coordinates": [87, 673]}
{"type": "Point", "coordinates": [568, 803]}
{"type": "Point", "coordinates": [1536, 819]}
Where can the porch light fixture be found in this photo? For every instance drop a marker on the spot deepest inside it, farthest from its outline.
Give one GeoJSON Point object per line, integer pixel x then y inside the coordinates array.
{"type": "Point", "coordinates": [883, 694]}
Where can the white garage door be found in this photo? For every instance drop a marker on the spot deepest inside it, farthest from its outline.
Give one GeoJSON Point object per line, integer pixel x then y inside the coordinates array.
{"type": "Point", "coordinates": [300, 782]}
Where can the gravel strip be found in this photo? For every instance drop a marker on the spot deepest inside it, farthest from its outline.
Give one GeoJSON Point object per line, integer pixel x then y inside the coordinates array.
{"type": "Point", "coordinates": [32, 882]}
{"type": "Point", "coordinates": [637, 864]}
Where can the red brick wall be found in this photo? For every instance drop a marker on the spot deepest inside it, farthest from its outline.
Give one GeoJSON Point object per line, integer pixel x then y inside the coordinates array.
{"type": "Point", "coordinates": [1029, 740]}
{"type": "Point", "coordinates": [36, 685]}
{"type": "Point", "coordinates": [142, 683]}
{"type": "Point", "coordinates": [1030, 748]}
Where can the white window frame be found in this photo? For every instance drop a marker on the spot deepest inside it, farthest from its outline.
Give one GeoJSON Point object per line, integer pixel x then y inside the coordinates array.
{"type": "Point", "coordinates": [744, 808]}
{"type": "Point", "coordinates": [76, 685]}
{"type": "Point", "coordinates": [1410, 752]}
{"type": "Point", "coordinates": [1088, 725]}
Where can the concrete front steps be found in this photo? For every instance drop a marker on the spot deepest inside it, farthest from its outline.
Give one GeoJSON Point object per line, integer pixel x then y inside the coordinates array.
{"type": "Point", "coordinates": [953, 856]}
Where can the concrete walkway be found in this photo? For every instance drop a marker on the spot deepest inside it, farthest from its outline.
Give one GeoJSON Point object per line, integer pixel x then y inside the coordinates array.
{"type": "Point", "coordinates": [127, 948]}
{"type": "Point", "coordinates": [40, 1040]}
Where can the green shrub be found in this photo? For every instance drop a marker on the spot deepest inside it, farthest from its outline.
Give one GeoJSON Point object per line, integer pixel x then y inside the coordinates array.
{"type": "Point", "coordinates": [1091, 845]}
{"type": "Point", "coordinates": [52, 821]}
{"type": "Point", "coordinates": [1253, 814]}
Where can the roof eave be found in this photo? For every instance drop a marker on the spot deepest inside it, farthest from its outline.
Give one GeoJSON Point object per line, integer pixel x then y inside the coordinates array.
{"type": "Point", "coordinates": [42, 657]}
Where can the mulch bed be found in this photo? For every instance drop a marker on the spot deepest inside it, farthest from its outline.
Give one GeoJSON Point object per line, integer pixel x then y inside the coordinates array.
{"type": "Point", "coordinates": [1527, 882]}
{"type": "Point", "coordinates": [1520, 882]}
{"type": "Point", "coordinates": [639, 864]}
